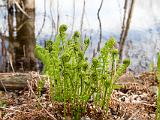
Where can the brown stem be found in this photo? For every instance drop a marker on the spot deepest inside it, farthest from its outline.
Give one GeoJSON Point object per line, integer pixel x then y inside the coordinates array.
{"type": "Point", "coordinates": [126, 29]}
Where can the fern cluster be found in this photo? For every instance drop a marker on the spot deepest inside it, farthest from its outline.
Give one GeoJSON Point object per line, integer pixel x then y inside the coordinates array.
{"type": "Point", "coordinates": [73, 78]}
{"type": "Point", "coordinates": [158, 97]}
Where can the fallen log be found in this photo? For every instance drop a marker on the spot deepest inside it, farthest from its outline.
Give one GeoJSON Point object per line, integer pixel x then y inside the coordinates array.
{"type": "Point", "coordinates": [11, 81]}
{"type": "Point", "coordinates": [14, 81]}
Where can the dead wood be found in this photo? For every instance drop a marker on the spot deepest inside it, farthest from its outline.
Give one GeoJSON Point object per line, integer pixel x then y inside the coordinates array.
{"type": "Point", "coordinates": [14, 81]}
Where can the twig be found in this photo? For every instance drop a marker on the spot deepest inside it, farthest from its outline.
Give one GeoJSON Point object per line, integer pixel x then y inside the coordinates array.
{"type": "Point", "coordinates": [19, 7]}
{"type": "Point", "coordinates": [9, 109]}
{"type": "Point", "coordinates": [4, 87]}
{"type": "Point", "coordinates": [133, 115]}
{"type": "Point", "coordinates": [21, 25]}
{"type": "Point", "coordinates": [11, 62]}
{"type": "Point", "coordinates": [9, 114]}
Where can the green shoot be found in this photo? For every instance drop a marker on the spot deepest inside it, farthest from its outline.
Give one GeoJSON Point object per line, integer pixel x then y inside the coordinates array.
{"type": "Point", "coordinates": [73, 79]}
{"type": "Point", "coordinates": [158, 96]}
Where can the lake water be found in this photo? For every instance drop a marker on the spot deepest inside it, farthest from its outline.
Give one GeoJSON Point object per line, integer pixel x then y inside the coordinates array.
{"type": "Point", "coordinates": [141, 46]}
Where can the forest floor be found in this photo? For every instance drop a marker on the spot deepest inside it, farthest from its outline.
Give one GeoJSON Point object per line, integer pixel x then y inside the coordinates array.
{"type": "Point", "coordinates": [135, 101]}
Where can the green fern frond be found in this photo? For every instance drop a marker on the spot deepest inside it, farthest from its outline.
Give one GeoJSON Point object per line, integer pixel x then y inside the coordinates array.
{"type": "Point", "coordinates": [75, 79]}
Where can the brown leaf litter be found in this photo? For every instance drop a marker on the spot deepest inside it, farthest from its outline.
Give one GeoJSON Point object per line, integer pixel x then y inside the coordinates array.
{"type": "Point", "coordinates": [136, 100]}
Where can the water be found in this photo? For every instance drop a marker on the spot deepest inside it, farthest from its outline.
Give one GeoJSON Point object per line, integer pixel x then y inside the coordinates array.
{"type": "Point", "coordinates": [141, 46]}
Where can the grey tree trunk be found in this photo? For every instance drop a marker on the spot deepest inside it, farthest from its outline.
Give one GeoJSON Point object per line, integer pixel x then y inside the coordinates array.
{"type": "Point", "coordinates": [22, 40]}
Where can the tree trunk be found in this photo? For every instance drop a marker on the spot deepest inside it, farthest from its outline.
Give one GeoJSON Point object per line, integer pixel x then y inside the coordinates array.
{"type": "Point", "coordinates": [29, 4]}
{"type": "Point", "coordinates": [22, 40]}
{"type": "Point", "coordinates": [24, 57]}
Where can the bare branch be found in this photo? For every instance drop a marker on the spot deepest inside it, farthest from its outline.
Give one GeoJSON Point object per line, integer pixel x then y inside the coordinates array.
{"type": "Point", "coordinates": [73, 16]}
{"type": "Point", "coordinates": [58, 16]}
{"type": "Point", "coordinates": [53, 22]}
{"type": "Point", "coordinates": [124, 19]}
{"type": "Point", "coordinates": [100, 24]}
{"type": "Point", "coordinates": [126, 29]}
{"type": "Point", "coordinates": [44, 19]}
{"type": "Point", "coordinates": [82, 17]}
{"type": "Point", "coordinates": [19, 7]}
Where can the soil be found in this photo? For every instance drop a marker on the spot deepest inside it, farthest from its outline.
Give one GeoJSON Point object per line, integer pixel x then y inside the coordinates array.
{"type": "Point", "coordinates": [136, 100]}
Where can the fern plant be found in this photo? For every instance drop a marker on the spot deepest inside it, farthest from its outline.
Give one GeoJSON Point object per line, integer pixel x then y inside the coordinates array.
{"type": "Point", "coordinates": [73, 79]}
{"type": "Point", "coordinates": [40, 87]}
{"type": "Point", "coordinates": [158, 96]}
{"type": "Point", "coordinates": [109, 71]}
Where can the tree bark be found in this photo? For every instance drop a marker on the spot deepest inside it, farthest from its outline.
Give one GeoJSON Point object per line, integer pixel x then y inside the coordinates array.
{"type": "Point", "coordinates": [24, 57]}
{"type": "Point", "coordinates": [29, 4]}
{"type": "Point", "coordinates": [22, 40]}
